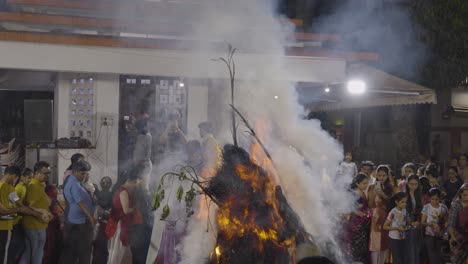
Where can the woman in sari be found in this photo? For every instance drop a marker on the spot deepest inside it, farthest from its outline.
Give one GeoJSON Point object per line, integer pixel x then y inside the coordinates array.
{"type": "Point", "coordinates": [458, 226]}
{"type": "Point", "coordinates": [356, 241]}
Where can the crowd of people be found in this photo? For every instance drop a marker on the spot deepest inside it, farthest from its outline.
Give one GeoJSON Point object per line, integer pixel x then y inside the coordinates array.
{"type": "Point", "coordinates": [110, 223]}
{"type": "Point", "coordinates": [418, 217]}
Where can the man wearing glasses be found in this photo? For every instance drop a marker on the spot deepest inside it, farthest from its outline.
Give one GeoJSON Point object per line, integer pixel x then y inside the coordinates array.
{"type": "Point", "coordinates": [36, 198]}
{"type": "Point", "coordinates": [79, 219]}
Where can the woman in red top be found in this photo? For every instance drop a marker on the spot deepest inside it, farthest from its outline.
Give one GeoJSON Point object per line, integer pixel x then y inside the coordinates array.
{"type": "Point", "coordinates": [117, 229]}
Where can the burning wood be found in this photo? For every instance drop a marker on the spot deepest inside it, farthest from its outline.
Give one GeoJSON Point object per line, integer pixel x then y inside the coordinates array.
{"type": "Point", "coordinates": [255, 222]}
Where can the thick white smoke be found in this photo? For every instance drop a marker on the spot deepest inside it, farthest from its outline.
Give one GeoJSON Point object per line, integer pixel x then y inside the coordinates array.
{"type": "Point", "coordinates": [306, 157]}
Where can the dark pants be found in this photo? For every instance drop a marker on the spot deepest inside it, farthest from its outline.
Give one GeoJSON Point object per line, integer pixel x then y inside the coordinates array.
{"type": "Point", "coordinates": [414, 244]}
{"type": "Point", "coordinates": [101, 252]}
{"type": "Point", "coordinates": [434, 246]}
{"type": "Point", "coordinates": [18, 244]}
{"type": "Point", "coordinates": [398, 251]}
{"type": "Point", "coordinates": [5, 238]}
{"type": "Point", "coordinates": [54, 243]}
{"type": "Point", "coordinates": [140, 238]}
{"type": "Point", "coordinates": [78, 244]}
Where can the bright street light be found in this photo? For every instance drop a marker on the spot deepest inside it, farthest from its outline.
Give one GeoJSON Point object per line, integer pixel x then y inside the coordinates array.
{"type": "Point", "coordinates": [327, 89]}
{"type": "Point", "coordinates": [356, 86]}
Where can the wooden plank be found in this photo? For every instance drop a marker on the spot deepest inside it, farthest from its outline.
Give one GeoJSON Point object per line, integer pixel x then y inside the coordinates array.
{"type": "Point", "coordinates": [102, 41]}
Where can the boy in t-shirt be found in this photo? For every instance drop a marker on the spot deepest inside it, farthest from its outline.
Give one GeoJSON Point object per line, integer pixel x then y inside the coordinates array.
{"type": "Point", "coordinates": [433, 218]}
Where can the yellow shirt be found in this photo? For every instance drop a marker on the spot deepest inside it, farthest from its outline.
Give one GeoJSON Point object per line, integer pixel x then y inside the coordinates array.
{"type": "Point", "coordinates": [7, 200]}
{"type": "Point", "coordinates": [36, 197]}
{"type": "Point", "coordinates": [20, 189]}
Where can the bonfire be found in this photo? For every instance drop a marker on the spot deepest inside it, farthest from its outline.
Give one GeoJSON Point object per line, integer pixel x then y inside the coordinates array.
{"type": "Point", "coordinates": [255, 223]}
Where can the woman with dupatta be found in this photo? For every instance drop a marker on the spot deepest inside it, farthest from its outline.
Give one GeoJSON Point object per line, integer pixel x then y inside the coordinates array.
{"type": "Point", "coordinates": [458, 226]}
{"type": "Point", "coordinates": [356, 241]}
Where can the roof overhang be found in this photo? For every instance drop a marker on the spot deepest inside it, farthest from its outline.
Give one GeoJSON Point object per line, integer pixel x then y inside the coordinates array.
{"type": "Point", "coordinates": [161, 62]}
{"type": "Point", "coordinates": [383, 89]}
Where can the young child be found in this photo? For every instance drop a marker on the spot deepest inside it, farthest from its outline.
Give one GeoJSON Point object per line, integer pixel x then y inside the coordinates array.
{"type": "Point", "coordinates": [396, 223]}
{"type": "Point", "coordinates": [348, 168]}
{"type": "Point", "coordinates": [433, 218]}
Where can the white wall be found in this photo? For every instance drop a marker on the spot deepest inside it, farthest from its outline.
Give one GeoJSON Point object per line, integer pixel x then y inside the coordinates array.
{"type": "Point", "coordinates": [197, 110]}
{"type": "Point", "coordinates": [69, 58]}
{"type": "Point", "coordinates": [104, 157]}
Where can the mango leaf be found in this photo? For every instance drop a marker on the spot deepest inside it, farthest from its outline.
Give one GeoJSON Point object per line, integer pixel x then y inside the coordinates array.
{"type": "Point", "coordinates": [156, 202]}
{"type": "Point", "coordinates": [165, 212]}
{"type": "Point", "coordinates": [180, 193]}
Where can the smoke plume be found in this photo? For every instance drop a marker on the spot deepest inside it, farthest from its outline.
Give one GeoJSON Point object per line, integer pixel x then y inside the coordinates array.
{"type": "Point", "coordinates": [305, 156]}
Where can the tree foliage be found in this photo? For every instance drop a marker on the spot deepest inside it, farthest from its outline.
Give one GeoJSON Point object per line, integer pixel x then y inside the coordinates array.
{"type": "Point", "coordinates": [444, 27]}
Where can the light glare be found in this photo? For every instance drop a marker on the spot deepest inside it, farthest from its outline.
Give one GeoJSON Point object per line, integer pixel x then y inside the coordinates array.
{"type": "Point", "coordinates": [356, 86]}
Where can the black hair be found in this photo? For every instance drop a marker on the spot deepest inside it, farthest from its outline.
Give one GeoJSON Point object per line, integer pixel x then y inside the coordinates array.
{"type": "Point", "coordinates": [422, 170]}
{"type": "Point", "coordinates": [413, 210]}
{"type": "Point", "coordinates": [107, 177]}
{"type": "Point", "coordinates": [408, 165]}
{"type": "Point", "coordinates": [432, 172]}
{"type": "Point", "coordinates": [358, 179]}
{"type": "Point", "coordinates": [13, 170]}
{"type": "Point", "coordinates": [27, 172]}
{"type": "Point", "coordinates": [395, 198]}
{"type": "Point", "coordinates": [367, 163]}
{"type": "Point", "coordinates": [425, 185]}
{"type": "Point", "coordinates": [387, 187]}
{"type": "Point", "coordinates": [40, 165]}
{"type": "Point", "coordinates": [74, 159]}
{"type": "Point", "coordinates": [135, 173]}
{"type": "Point", "coordinates": [454, 169]}
{"type": "Point", "coordinates": [454, 158]}
{"type": "Point", "coordinates": [81, 166]}
{"type": "Point", "coordinates": [434, 192]}
{"type": "Point", "coordinates": [132, 173]}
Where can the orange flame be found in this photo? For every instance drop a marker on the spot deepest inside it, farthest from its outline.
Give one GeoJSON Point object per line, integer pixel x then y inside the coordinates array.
{"type": "Point", "coordinates": [237, 217]}
{"type": "Point", "coordinates": [258, 155]}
